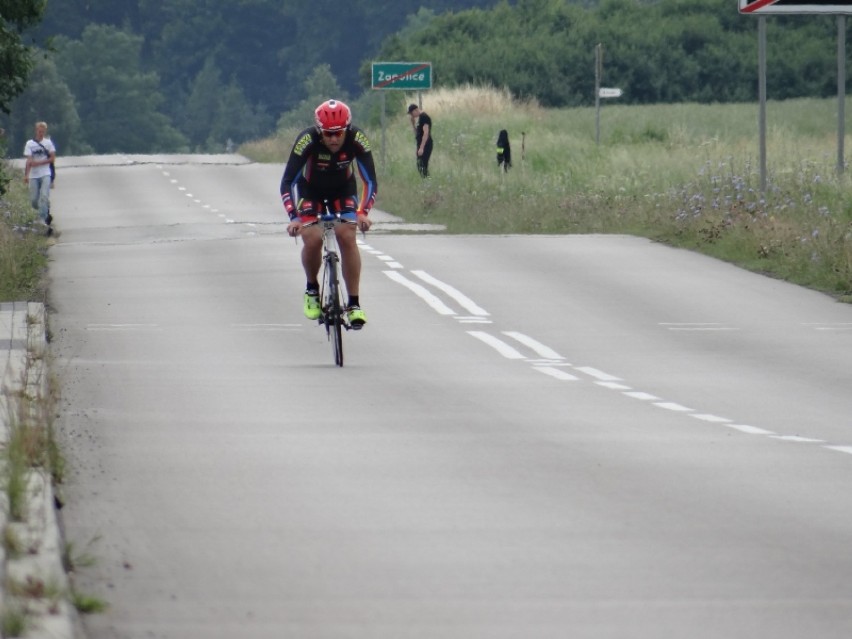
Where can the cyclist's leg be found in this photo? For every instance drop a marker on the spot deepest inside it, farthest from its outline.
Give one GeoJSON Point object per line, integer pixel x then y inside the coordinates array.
{"type": "Point", "coordinates": [311, 252]}
{"type": "Point", "coordinates": [350, 256]}
{"type": "Point", "coordinates": [311, 236]}
{"type": "Point", "coordinates": [311, 262]}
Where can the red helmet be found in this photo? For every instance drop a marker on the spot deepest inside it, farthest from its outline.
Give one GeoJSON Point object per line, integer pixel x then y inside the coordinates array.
{"type": "Point", "coordinates": [332, 115]}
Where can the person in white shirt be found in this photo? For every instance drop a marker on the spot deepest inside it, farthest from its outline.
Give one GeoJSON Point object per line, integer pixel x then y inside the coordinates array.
{"type": "Point", "coordinates": [40, 154]}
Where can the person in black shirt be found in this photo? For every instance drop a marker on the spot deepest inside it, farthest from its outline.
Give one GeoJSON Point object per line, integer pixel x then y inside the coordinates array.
{"type": "Point", "coordinates": [321, 167]}
{"type": "Point", "coordinates": [422, 124]}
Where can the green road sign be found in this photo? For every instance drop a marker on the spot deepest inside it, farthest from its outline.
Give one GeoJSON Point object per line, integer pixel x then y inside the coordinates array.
{"type": "Point", "coordinates": [405, 76]}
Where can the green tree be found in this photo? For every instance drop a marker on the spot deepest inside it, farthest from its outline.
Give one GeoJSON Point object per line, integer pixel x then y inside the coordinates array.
{"type": "Point", "coordinates": [46, 98]}
{"type": "Point", "coordinates": [15, 57]}
{"type": "Point", "coordinates": [202, 104]}
{"type": "Point", "coordinates": [216, 114]}
{"type": "Point", "coordinates": [118, 102]}
{"type": "Point", "coordinates": [319, 86]}
{"type": "Point", "coordinates": [236, 120]}
{"type": "Point", "coordinates": [243, 37]}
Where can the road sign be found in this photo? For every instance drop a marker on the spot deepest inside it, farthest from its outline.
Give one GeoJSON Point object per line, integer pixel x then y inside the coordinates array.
{"type": "Point", "coordinates": [406, 76]}
{"type": "Point", "coordinates": [763, 7]}
{"type": "Point", "coordinates": [609, 93]}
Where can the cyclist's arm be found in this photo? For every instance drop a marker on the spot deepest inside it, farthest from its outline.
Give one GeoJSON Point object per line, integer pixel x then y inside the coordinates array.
{"type": "Point", "coordinates": [295, 163]}
{"type": "Point", "coordinates": [367, 194]}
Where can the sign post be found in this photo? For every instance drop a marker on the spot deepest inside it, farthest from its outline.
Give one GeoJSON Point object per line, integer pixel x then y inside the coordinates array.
{"type": "Point", "coordinates": [601, 92]}
{"type": "Point", "coordinates": [400, 76]}
{"type": "Point", "coordinates": [762, 8]}
{"type": "Point", "coordinates": [598, 74]}
{"type": "Point", "coordinates": [841, 90]}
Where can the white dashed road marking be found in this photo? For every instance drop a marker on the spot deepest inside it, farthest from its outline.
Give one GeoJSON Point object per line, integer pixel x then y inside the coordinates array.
{"type": "Point", "coordinates": [552, 364]}
{"type": "Point", "coordinates": [421, 292]}
{"type": "Point", "coordinates": [558, 373]}
{"type": "Point", "coordinates": [538, 347]}
{"type": "Point", "coordinates": [500, 346]}
{"type": "Point", "coordinates": [594, 372]}
{"type": "Point", "coordinates": [457, 295]}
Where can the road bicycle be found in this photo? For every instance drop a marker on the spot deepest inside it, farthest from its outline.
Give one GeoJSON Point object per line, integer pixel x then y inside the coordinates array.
{"type": "Point", "coordinates": [332, 311]}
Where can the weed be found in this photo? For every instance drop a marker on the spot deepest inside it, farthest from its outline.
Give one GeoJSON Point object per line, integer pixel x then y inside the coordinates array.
{"type": "Point", "coordinates": [88, 604]}
{"type": "Point", "coordinates": [14, 621]}
{"type": "Point", "coordinates": [73, 561]}
{"type": "Point", "coordinates": [12, 544]}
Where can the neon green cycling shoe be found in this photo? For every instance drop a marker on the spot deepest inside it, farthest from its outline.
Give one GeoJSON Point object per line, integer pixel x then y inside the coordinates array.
{"type": "Point", "coordinates": [312, 306]}
{"type": "Point", "coordinates": [357, 317]}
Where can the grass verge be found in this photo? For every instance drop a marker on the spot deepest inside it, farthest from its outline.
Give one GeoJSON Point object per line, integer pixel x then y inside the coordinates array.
{"type": "Point", "coordinates": [686, 174]}
{"type": "Point", "coordinates": [23, 250]}
{"type": "Point", "coordinates": [29, 445]}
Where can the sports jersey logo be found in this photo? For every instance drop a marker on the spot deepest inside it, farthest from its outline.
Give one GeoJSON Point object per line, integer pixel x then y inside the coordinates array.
{"type": "Point", "coordinates": [361, 139]}
{"type": "Point", "coordinates": [302, 144]}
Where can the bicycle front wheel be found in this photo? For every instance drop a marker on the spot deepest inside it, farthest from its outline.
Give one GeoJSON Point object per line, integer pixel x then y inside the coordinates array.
{"type": "Point", "coordinates": [337, 339]}
{"type": "Point", "coordinates": [334, 316]}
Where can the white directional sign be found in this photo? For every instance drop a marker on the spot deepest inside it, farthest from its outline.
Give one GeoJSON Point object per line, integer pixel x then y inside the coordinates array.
{"type": "Point", "coordinates": [609, 93]}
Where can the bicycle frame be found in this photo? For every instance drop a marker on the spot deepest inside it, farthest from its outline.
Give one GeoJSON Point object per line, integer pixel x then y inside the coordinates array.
{"type": "Point", "coordinates": [332, 312]}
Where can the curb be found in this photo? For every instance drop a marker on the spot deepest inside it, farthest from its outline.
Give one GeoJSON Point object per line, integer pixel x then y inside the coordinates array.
{"type": "Point", "coordinates": [32, 579]}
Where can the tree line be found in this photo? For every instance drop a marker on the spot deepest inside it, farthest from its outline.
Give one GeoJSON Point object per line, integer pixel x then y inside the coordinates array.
{"type": "Point", "coordinates": [190, 75]}
{"type": "Point", "coordinates": [201, 75]}
{"type": "Point", "coordinates": [657, 52]}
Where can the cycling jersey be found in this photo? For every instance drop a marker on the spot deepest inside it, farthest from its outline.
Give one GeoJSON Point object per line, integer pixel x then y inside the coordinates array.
{"type": "Point", "coordinates": [313, 174]}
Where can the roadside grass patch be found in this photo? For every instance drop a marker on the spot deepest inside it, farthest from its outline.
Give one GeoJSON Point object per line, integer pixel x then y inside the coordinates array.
{"type": "Point", "coordinates": [683, 174]}
{"type": "Point", "coordinates": [23, 256]}
{"type": "Point", "coordinates": [14, 621]}
{"type": "Point", "coordinates": [88, 604]}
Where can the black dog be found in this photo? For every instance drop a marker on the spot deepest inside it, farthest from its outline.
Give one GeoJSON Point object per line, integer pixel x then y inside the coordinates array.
{"type": "Point", "coordinates": [504, 150]}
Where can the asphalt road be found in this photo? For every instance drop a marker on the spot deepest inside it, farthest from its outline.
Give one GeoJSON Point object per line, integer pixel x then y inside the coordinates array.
{"type": "Point", "coordinates": [533, 437]}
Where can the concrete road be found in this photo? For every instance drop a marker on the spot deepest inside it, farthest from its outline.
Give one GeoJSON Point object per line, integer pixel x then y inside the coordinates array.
{"type": "Point", "coordinates": [534, 437]}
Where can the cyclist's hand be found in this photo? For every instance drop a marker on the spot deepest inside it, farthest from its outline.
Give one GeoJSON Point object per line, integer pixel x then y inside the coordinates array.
{"type": "Point", "coordinates": [294, 227]}
{"type": "Point", "coordinates": [364, 222]}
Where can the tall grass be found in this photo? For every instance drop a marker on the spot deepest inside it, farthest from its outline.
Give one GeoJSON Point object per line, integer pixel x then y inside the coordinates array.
{"type": "Point", "coordinates": [685, 174]}
{"type": "Point", "coordinates": [23, 258]}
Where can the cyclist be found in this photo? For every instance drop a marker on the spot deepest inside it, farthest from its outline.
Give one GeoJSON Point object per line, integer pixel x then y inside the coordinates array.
{"type": "Point", "coordinates": [321, 167]}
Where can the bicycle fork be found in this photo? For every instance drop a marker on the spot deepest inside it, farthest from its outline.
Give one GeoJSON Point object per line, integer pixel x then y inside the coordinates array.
{"type": "Point", "coordinates": [331, 296]}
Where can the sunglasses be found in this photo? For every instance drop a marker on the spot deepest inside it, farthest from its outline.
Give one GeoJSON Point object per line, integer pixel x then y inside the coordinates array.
{"type": "Point", "coordinates": [333, 134]}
